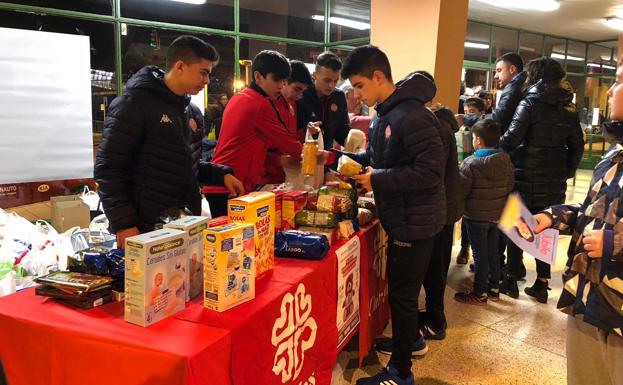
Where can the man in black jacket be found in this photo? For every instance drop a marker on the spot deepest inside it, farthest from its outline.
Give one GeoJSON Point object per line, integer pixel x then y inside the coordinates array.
{"type": "Point", "coordinates": [323, 105]}
{"type": "Point", "coordinates": [406, 160]}
{"type": "Point", "coordinates": [148, 161]}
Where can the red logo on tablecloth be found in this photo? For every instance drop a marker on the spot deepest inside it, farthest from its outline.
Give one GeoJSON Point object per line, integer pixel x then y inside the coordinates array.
{"type": "Point", "coordinates": [293, 333]}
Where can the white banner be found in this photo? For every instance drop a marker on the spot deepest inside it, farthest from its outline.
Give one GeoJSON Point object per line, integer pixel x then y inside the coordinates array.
{"type": "Point", "coordinates": [45, 107]}
{"type": "Point", "coordinates": [348, 281]}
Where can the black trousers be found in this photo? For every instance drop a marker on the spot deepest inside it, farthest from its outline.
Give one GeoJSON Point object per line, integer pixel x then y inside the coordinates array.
{"type": "Point", "coordinates": [407, 264]}
{"type": "Point", "coordinates": [515, 257]}
{"type": "Point", "coordinates": [437, 276]}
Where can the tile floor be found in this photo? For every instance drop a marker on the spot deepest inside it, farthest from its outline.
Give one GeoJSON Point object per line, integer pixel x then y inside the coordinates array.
{"type": "Point", "coordinates": [504, 343]}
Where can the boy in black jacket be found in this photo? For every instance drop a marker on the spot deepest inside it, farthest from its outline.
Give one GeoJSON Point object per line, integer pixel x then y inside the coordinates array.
{"type": "Point", "coordinates": [406, 160]}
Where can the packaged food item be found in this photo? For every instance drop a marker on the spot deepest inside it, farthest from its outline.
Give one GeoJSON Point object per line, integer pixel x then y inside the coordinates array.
{"type": "Point", "coordinates": [257, 208]}
{"type": "Point", "coordinates": [279, 208]}
{"type": "Point", "coordinates": [348, 193]}
{"type": "Point", "coordinates": [331, 234]}
{"type": "Point", "coordinates": [339, 184]}
{"type": "Point", "coordinates": [293, 202]}
{"type": "Point", "coordinates": [77, 284]}
{"type": "Point", "coordinates": [229, 270]}
{"type": "Point", "coordinates": [218, 221]}
{"type": "Point", "coordinates": [154, 276]}
{"type": "Point", "coordinates": [364, 216]}
{"type": "Point", "coordinates": [87, 301]}
{"type": "Point", "coordinates": [366, 203]}
{"type": "Point", "coordinates": [347, 166]}
{"type": "Point", "coordinates": [303, 245]}
{"type": "Point", "coordinates": [310, 154]}
{"type": "Point", "coordinates": [193, 226]}
{"type": "Point", "coordinates": [316, 218]}
{"type": "Point", "coordinates": [329, 203]}
{"type": "Point", "coordinates": [347, 228]}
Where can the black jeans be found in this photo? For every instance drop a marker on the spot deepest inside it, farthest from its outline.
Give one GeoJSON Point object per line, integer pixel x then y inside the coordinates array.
{"type": "Point", "coordinates": [515, 258]}
{"type": "Point", "coordinates": [464, 235]}
{"type": "Point", "coordinates": [502, 242]}
{"type": "Point", "coordinates": [436, 278]}
{"type": "Point", "coordinates": [408, 263]}
{"type": "Point", "coordinates": [484, 237]}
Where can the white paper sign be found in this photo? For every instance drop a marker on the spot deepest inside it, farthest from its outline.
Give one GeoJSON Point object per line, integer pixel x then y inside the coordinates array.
{"type": "Point", "coordinates": [45, 107]}
{"type": "Point", "coordinates": [348, 275]}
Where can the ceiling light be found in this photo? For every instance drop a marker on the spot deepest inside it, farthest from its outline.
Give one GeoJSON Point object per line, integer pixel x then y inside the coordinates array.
{"type": "Point", "coordinates": [529, 49]}
{"type": "Point", "coordinates": [345, 22]}
{"type": "Point", "coordinates": [614, 22]}
{"type": "Point", "coordinates": [196, 2]}
{"type": "Point", "coordinates": [532, 5]}
{"type": "Point", "coordinates": [607, 67]}
{"type": "Point", "coordinates": [555, 55]}
{"type": "Point", "coordinates": [470, 44]}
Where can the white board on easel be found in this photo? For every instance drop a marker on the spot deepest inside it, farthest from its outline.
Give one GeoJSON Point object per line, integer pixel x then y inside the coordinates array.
{"type": "Point", "coordinates": [45, 107]}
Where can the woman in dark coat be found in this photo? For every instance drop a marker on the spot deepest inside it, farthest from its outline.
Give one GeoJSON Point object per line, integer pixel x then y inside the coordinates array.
{"type": "Point", "coordinates": [546, 144]}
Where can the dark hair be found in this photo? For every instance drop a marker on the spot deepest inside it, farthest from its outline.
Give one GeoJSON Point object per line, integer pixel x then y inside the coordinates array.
{"type": "Point", "coordinates": [364, 61]}
{"type": "Point", "coordinates": [300, 73]}
{"type": "Point", "coordinates": [190, 50]}
{"type": "Point", "coordinates": [477, 102]}
{"type": "Point", "coordinates": [484, 94]}
{"type": "Point", "coordinates": [546, 69]}
{"type": "Point", "coordinates": [328, 60]}
{"type": "Point", "coordinates": [512, 58]}
{"type": "Point", "coordinates": [489, 131]}
{"type": "Point", "coordinates": [271, 62]}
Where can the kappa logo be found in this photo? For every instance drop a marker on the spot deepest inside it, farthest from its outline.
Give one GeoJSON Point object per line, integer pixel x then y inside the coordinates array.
{"type": "Point", "coordinates": [165, 119]}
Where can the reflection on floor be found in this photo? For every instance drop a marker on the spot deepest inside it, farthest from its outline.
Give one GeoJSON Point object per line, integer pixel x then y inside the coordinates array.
{"type": "Point", "coordinates": [508, 342]}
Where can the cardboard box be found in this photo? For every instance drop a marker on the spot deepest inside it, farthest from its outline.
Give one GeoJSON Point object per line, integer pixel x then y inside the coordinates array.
{"type": "Point", "coordinates": [278, 208]}
{"type": "Point", "coordinates": [229, 268]}
{"type": "Point", "coordinates": [218, 221]}
{"type": "Point", "coordinates": [154, 276]}
{"type": "Point", "coordinates": [293, 202]}
{"type": "Point", "coordinates": [193, 226]}
{"type": "Point", "coordinates": [69, 211]}
{"type": "Point", "coordinates": [257, 208]}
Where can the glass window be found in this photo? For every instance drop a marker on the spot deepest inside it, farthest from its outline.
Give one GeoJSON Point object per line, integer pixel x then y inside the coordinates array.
{"type": "Point", "coordinates": [504, 40]}
{"type": "Point", "coordinates": [148, 46]}
{"type": "Point", "coordinates": [555, 48]}
{"type": "Point", "coordinates": [349, 19]}
{"type": "Point", "coordinates": [475, 80]}
{"type": "Point", "coordinates": [90, 6]}
{"type": "Point", "coordinates": [209, 14]}
{"type": "Point", "coordinates": [601, 60]}
{"type": "Point", "coordinates": [103, 80]}
{"type": "Point", "coordinates": [530, 46]}
{"type": "Point", "coordinates": [293, 19]}
{"type": "Point", "coordinates": [477, 42]}
{"type": "Point", "coordinates": [576, 54]}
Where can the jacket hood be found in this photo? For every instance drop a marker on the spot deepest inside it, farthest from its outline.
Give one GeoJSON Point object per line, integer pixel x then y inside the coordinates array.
{"type": "Point", "coordinates": [555, 93]}
{"type": "Point", "coordinates": [415, 86]}
{"type": "Point", "coordinates": [446, 118]}
{"type": "Point", "coordinates": [151, 79]}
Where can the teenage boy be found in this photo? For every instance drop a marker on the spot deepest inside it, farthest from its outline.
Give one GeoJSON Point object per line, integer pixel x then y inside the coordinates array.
{"type": "Point", "coordinates": [148, 161]}
{"type": "Point", "coordinates": [487, 177]}
{"type": "Point", "coordinates": [406, 161]}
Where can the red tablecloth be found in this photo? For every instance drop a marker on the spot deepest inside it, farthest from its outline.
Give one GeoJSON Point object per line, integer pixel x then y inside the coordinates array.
{"type": "Point", "coordinates": [43, 342]}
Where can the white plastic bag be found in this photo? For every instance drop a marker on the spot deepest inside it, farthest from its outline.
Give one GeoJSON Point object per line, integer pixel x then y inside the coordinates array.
{"type": "Point", "coordinates": [90, 198]}
{"type": "Point", "coordinates": [295, 180]}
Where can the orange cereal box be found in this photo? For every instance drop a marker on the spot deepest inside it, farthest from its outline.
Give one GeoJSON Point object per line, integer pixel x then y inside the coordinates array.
{"type": "Point", "coordinates": [257, 208]}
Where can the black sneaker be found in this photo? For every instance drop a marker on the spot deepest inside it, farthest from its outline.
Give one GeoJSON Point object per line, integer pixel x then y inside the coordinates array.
{"type": "Point", "coordinates": [463, 256]}
{"type": "Point", "coordinates": [385, 346]}
{"type": "Point", "coordinates": [509, 286]}
{"type": "Point", "coordinates": [538, 291]}
{"type": "Point", "coordinates": [429, 333]}
{"type": "Point", "coordinates": [493, 295]}
{"type": "Point", "coordinates": [471, 298]}
{"type": "Point", "coordinates": [387, 376]}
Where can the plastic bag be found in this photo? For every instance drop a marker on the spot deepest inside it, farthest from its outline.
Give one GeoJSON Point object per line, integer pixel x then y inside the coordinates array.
{"type": "Point", "coordinates": [298, 244]}
{"type": "Point", "coordinates": [90, 198]}
{"type": "Point", "coordinates": [295, 180]}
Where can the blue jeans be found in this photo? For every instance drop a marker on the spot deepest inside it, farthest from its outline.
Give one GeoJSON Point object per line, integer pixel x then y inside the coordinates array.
{"type": "Point", "coordinates": [484, 238]}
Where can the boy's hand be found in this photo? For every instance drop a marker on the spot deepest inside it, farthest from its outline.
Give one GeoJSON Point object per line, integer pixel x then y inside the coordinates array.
{"type": "Point", "coordinates": [594, 243]}
{"type": "Point", "coordinates": [314, 127]}
{"type": "Point", "coordinates": [323, 157]}
{"type": "Point", "coordinates": [460, 119]}
{"type": "Point", "coordinates": [234, 186]}
{"type": "Point", "coordinates": [365, 180]}
{"type": "Point", "coordinates": [126, 233]}
{"type": "Point", "coordinates": [543, 221]}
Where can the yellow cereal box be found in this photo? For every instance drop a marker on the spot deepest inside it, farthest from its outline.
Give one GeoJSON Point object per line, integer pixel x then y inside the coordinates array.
{"type": "Point", "coordinates": [229, 270]}
{"type": "Point", "coordinates": [257, 208]}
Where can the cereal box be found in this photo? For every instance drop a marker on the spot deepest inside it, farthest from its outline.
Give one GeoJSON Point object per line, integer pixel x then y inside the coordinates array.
{"type": "Point", "coordinates": [278, 208]}
{"type": "Point", "coordinates": [293, 202]}
{"type": "Point", "coordinates": [193, 226]}
{"type": "Point", "coordinates": [154, 275]}
{"type": "Point", "coordinates": [218, 221]}
{"type": "Point", "coordinates": [257, 208]}
{"type": "Point", "coordinates": [229, 270]}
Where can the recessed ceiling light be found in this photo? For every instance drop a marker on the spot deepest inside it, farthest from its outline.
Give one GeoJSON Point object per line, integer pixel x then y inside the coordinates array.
{"type": "Point", "coordinates": [196, 2]}
{"type": "Point", "coordinates": [534, 5]}
{"type": "Point", "coordinates": [559, 56]}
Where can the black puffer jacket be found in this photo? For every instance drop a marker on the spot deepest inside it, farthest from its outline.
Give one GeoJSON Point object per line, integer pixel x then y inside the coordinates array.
{"type": "Point", "coordinates": [546, 143]}
{"type": "Point", "coordinates": [487, 179]}
{"type": "Point", "coordinates": [332, 112]}
{"type": "Point", "coordinates": [149, 156]}
{"type": "Point", "coordinates": [455, 204]}
{"type": "Point", "coordinates": [407, 154]}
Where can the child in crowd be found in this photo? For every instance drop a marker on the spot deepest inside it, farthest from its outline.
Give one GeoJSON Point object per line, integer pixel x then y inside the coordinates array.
{"type": "Point", "coordinates": [487, 178]}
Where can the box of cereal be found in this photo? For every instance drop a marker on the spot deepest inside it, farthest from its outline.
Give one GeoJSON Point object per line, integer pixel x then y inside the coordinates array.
{"type": "Point", "coordinates": [257, 208]}
{"type": "Point", "coordinates": [293, 202]}
{"type": "Point", "coordinates": [193, 226]}
{"type": "Point", "coordinates": [154, 276]}
{"type": "Point", "coordinates": [229, 267]}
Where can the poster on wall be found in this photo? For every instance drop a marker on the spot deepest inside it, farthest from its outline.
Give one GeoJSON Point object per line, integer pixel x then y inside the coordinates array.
{"type": "Point", "coordinates": [348, 275]}
{"type": "Point", "coordinates": [45, 121]}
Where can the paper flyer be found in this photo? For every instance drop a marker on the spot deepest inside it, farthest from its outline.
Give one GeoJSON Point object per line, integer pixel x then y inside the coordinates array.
{"type": "Point", "coordinates": [347, 288]}
{"type": "Point", "coordinates": [518, 224]}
